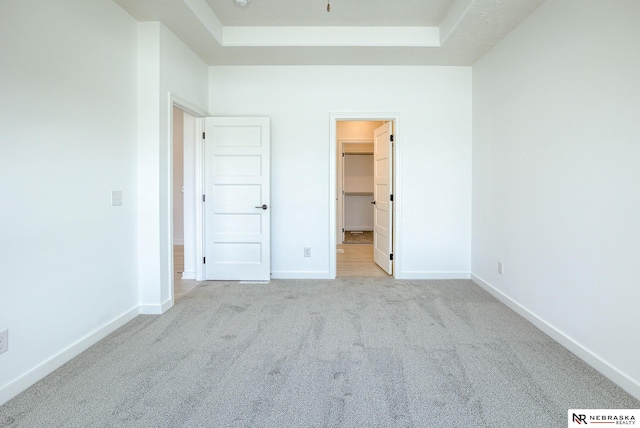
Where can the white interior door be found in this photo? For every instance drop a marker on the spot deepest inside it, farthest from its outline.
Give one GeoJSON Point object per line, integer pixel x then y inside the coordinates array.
{"type": "Point", "coordinates": [383, 197]}
{"type": "Point", "coordinates": [237, 198]}
{"type": "Point", "coordinates": [344, 199]}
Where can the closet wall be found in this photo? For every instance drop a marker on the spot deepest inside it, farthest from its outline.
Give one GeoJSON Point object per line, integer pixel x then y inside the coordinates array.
{"type": "Point", "coordinates": [358, 187]}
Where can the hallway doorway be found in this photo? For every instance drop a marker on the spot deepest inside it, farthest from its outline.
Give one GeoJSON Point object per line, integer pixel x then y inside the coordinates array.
{"type": "Point", "coordinates": [183, 164]}
{"type": "Point", "coordinates": [364, 193]}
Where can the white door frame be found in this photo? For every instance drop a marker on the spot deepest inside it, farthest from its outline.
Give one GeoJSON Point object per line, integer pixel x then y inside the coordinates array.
{"type": "Point", "coordinates": [198, 113]}
{"type": "Point", "coordinates": [397, 203]}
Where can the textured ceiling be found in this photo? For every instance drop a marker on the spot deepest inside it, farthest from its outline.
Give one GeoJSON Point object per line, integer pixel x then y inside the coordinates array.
{"type": "Point", "coordinates": [343, 12]}
{"type": "Point", "coordinates": [467, 29]}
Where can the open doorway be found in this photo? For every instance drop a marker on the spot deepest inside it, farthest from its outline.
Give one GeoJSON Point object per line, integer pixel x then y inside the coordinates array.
{"type": "Point", "coordinates": [183, 185]}
{"type": "Point", "coordinates": [364, 195]}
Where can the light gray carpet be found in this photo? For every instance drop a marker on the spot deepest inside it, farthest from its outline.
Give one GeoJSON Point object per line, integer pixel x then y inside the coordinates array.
{"type": "Point", "coordinates": [344, 353]}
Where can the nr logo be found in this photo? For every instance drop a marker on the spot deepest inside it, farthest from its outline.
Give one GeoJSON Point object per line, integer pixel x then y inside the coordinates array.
{"type": "Point", "coordinates": [580, 419]}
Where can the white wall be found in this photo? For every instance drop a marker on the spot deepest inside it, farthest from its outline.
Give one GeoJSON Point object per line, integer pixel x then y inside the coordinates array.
{"type": "Point", "coordinates": [555, 170]}
{"type": "Point", "coordinates": [435, 104]}
{"type": "Point", "coordinates": [165, 66]}
{"type": "Point", "coordinates": [68, 133]}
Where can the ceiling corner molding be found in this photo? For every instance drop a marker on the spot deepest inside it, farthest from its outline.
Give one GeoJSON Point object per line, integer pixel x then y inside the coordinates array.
{"type": "Point", "coordinates": [454, 16]}
{"type": "Point", "coordinates": [203, 12]}
{"type": "Point", "coordinates": [331, 36]}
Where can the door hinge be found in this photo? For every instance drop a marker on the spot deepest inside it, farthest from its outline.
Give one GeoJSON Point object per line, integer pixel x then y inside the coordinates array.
{"type": "Point", "coordinates": [342, 230]}
{"type": "Point", "coordinates": [391, 256]}
{"type": "Point", "coordinates": [391, 137]}
{"type": "Point", "coordinates": [203, 136]}
{"type": "Point", "coordinates": [204, 260]}
{"type": "Point", "coordinates": [203, 198]}
{"type": "Point", "coordinates": [391, 197]}
{"type": "Point", "coordinates": [343, 155]}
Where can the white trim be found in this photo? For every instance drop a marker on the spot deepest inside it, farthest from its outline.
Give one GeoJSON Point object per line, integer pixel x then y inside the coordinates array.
{"type": "Point", "coordinates": [15, 387]}
{"type": "Point", "coordinates": [150, 309]}
{"type": "Point", "coordinates": [157, 309]}
{"type": "Point", "coordinates": [301, 275]}
{"type": "Point", "coordinates": [236, 36]}
{"type": "Point", "coordinates": [169, 207]}
{"type": "Point", "coordinates": [187, 106]}
{"type": "Point", "coordinates": [205, 15]}
{"type": "Point", "coordinates": [189, 275]}
{"type": "Point", "coordinates": [167, 304]}
{"type": "Point", "coordinates": [199, 191]}
{"type": "Point", "coordinates": [198, 114]}
{"type": "Point", "coordinates": [433, 275]}
{"type": "Point", "coordinates": [618, 377]}
{"type": "Point", "coordinates": [397, 204]}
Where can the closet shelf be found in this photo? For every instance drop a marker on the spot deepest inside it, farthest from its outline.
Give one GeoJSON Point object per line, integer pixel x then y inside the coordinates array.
{"type": "Point", "coordinates": [358, 193]}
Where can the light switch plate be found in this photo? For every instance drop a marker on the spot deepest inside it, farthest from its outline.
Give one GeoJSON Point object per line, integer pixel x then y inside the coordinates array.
{"type": "Point", "coordinates": [116, 198]}
{"type": "Point", "coordinates": [4, 341]}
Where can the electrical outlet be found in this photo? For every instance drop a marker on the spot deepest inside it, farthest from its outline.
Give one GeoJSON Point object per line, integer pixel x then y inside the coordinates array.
{"type": "Point", "coordinates": [500, 268]}
{"type": "Point", "coordinates": [4, 341]}
{"type": "Point", "coordinates": [307, 251]}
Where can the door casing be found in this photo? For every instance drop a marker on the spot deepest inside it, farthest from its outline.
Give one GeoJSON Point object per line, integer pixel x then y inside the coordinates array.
{"type": "Point", "coordinates": [198, 114]}
{"type": "Point", "coordinates": [397, 180]}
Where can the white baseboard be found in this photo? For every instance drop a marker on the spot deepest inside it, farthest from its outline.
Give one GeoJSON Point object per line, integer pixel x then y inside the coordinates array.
{"type": "Point", "coordinates": [400, 275]}
{"type": "Point", "coordinates": [189, 275]}
{"type": "Point", "coordinates": [300, 275]}
{"type": "Point", "coordinates": [150, 309]}
{"type": "Point", "coordinates": [618, 377]}
{"type": "Point", "coordinates": [432, 275]}
{"type": "Point", "coordinates": [15, 387]}
{"type": "Point", "coordinates": [166, 305]}
{"type": "Point", "coordinates": [156, 309]}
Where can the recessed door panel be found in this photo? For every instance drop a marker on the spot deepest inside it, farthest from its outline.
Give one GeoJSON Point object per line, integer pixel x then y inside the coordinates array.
{"type": "Point", "coordinates": [237, 166]}
{"type": "Point", "coordinates": [234, 253]}
{"type": "Point", "coordinates": [237, 224]}
{"type": "Point", "coordinates": [244, 196]}
{"type": "Point", "coordinates": [238, 136]}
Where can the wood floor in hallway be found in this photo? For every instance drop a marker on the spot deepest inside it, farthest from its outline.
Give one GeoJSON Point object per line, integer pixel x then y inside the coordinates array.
{"type": "Point", "coordinates": [180, 286]}
{"type": "Point", "coordinates": [357, 260]}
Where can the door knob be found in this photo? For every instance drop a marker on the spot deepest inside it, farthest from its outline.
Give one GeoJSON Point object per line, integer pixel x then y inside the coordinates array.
{"type": "Point", "coordinates": [263, 206]}
{"type": "Point", "coordinates": [373, 202]}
